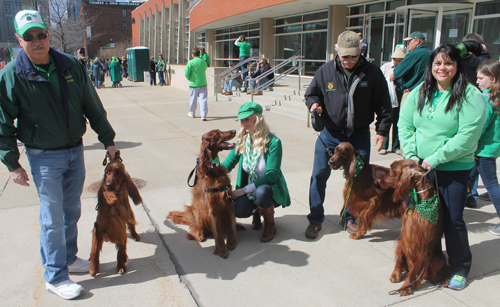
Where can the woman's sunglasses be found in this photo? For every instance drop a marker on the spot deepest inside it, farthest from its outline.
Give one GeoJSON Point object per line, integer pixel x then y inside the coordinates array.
{"type": "Point", "coordinates": [30, 37]}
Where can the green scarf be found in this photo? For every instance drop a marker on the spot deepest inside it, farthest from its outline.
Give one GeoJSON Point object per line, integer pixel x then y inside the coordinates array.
{"type": "Point", "coordinates": [428, 208]}
{"type": "Point", "coordinates": [250, 160]}
{"type": "Point", "coordinates": [359, 167]}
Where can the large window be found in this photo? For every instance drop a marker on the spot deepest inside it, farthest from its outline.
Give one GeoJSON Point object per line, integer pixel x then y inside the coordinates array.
{"type": "Point", "coordinates": [304, 35]}
{"type": "Point", "coordinates": [225, 49]}
{"type": "Point", "coordinates": [491, 38]}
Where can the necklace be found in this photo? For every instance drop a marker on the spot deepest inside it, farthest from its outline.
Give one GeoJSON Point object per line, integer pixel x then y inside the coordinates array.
{"type": "Point", "coordinates": [433, 105]}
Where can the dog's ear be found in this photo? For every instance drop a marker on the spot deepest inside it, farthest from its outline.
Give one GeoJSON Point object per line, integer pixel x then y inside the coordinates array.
{"type": "Point", "coordinates": [132, 190]}
{"type": "Point", "coordinates": [403, 185]}
{"type": "Point", "coordinates": [390, 179]}
{"type": "Point", "coordinates": [205, 157]}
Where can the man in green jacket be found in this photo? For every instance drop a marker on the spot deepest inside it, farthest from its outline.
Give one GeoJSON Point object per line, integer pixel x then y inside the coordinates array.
{"type": "Point", "coordinates": [411, 70]}
{"type": "Point", "coordinates": [52, 98]}
{"type": "Point", "coordinates": [195, 73]}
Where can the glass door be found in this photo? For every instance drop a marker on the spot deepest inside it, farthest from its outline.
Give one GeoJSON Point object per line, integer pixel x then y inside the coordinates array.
{"type": "Point", "coordinates": [455, 26]}
{"type": "Point", "coordinates": [424, 22]}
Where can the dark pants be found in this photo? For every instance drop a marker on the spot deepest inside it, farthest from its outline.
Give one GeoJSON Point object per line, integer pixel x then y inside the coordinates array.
{"type": "Point", "coordinates": [263, 198]}
{"type": "Point", "coordinates": [453, 192]}
{"type": "Point", "coordinates": [321, 170]}
{"type": "Point", "coordinates": [152, 78]}
{"type": "Point", "coordinates": [487, 168]}
{"type": "Point", "coordinates": [244, 66]}
{"type": "Point", "coordinates": [160, 77]}
{"type": "Point", "coordinates": [395, 137]}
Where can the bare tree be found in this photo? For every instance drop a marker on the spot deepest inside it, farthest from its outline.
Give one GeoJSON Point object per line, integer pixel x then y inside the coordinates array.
{"type": "Point", "coordinates": [65, 27]}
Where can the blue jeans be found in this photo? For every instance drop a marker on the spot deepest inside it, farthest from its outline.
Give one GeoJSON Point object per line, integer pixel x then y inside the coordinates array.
{"type": "Point", "coordinates": [228, 86]}
{"type": "Point", "coordinates": [263, 198]}
{"type": "Point", "coordinates": [152, 78]}
{"type": "Point", "coordinates": [321, 170]}
{"type": "Point", "coordinates": [245, 86]}
{"type": "Point", "coordinates": [244, 66]}
{"type": "Point", "coordinates": [453, 193]}
{"type": "Point", "coordinates": [160, 77]}
{"type": "Point", "coordinates": [58, 177]}
{"type": "Point", "coordinates": [97, 80]}
{"type": "Point", "coordinates": [487, 168]}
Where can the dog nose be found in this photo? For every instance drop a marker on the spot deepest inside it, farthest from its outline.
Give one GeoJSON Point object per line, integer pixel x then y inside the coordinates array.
{"type": "Point", "coordinates": [109, 185]}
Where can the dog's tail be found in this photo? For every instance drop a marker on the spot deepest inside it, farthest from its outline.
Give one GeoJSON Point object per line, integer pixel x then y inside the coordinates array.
{"type": "Point", "coordinates": [178, 217]}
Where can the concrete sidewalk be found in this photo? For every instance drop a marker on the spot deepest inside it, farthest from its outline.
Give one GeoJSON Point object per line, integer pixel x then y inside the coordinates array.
{"type": "Point", "coordinates": [159, 144]}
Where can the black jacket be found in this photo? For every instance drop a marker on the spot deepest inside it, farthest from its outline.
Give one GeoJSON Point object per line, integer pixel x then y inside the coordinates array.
{"type": "Point", "coordinates": [262, 70]}
{"type": "Point", "coordinates": [472, 60]}
{"type": "Point", "coordinates": [369, 90]}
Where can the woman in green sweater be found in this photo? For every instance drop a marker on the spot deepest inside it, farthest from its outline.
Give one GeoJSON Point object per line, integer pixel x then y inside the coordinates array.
{"type": "Point", "coordinates": [439, 127]}
{"type": "Point", "coordinates": [260, 185]}
{"type": "Point", "coordinates": [488, 149]}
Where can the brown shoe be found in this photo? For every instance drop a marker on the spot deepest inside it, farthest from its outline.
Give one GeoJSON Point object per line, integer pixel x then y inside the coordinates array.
{"type": "Point", "coordinates": [256, 223]}
{"type": "Point", "coordinates": [312, 230]}
{"type": "Point", "coordinates": [229, 94]}
{"type": "Point", "coordinates": [269, 226]}
{"type": "Point", "coordinates": [352, 227]}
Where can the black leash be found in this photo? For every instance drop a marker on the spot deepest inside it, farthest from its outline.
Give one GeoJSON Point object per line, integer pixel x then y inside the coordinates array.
{"type": "Point", "coordinates": [195, 175]}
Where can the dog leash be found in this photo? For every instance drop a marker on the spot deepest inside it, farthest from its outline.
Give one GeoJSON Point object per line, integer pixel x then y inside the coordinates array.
{"type": "Point", "coordinates": [195, 172]}
{"type": "Point", "coordinates": [433, 244]}
{"type": "Point", "coordinates": [108, 156]}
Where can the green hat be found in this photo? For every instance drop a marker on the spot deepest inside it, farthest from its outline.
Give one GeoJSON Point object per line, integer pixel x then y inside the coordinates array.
{"type": "Point", "coordinates": [28, 19]}
{"type": "Point", "coordinates": [415, 35]}
{"type": "Point", "coordinates": [247, 109]}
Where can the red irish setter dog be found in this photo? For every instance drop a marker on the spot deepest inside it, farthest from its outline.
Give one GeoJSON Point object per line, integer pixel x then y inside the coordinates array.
{"type": "Point", "coordinates": [114, 214]}
{"type": "Point", "coordinates": [419, 251]}
{"type": "Point", "coordinates": [212, 209]}
{"type": "Point", "coordinates": [368, 200]}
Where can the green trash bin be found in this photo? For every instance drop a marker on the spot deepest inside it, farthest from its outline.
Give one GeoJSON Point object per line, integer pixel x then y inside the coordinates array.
{"type": "Point", "coordinates": [138, 61]}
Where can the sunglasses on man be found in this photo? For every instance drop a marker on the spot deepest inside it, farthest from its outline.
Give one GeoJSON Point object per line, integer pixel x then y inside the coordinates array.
{"type": "Point", "coordinates": [349, 56]}
{"type": "Point", "coordinates": [31, 37]}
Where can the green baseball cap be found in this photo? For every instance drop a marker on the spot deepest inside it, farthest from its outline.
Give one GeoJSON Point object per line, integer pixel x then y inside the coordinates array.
{"type": "Point", "coordinates": [28, 19]}
{"type": "Point", "coordinates": [415, 35]}
{"type": "Point", "coordinates": [247, 109]}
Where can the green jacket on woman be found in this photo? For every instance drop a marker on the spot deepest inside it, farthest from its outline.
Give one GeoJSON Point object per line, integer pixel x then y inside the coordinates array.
{"type": "Point", "coordinates": [273, 177]}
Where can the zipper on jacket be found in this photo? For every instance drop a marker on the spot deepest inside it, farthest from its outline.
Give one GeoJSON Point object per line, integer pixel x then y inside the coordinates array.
{"type": "Point", "coordinates": [33, 134]}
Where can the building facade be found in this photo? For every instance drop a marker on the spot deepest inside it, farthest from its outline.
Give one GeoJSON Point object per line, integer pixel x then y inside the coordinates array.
{"type": "Point", "coordinates": [278, 29]}
{"type": "Point", "coordinates": [111, 24]}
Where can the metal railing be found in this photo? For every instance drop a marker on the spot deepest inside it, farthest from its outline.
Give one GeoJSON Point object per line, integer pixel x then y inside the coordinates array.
{"type": "Point", "coordinates": [271, 82]}
{"type": "Point", "coordinates": [230, 69]}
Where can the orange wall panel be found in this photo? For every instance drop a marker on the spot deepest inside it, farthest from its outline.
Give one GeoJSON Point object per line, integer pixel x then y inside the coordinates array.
{"type": "Point", "coordinates": [208, 11]}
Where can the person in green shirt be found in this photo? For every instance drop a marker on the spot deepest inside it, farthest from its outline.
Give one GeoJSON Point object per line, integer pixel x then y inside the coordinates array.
{"type": "Point", "coordinates": [260, 185]}
{"type": "Point", "coordinates": [161, 69]}
{"type": "Point", "coordinates": [115, 72]}
{"type": "Point", "coordinates": [195, 73]}
{"type": "Point", "coordinates": [204, 55]}
{"type": "Point", "coordinates": [439, 127]}
{"type": "Point", "coordinates": [245, 48]}
{"type": "Point", "coordinates": [488, 149]}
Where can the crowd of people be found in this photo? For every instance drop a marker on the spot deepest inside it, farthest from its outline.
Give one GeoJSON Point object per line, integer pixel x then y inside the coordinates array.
{"type": "Point", "coordinates": [432, 101]}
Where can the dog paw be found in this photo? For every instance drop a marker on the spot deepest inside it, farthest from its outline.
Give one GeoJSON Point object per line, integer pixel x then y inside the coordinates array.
{"type": "Point", "coordinates": [405, 292]}
{"type": "Point", "coordinates": [355, 236]}
{"type": "Point", "coordinates": [446, 282]}
{"type": "Point", "coordinates": [122, 270]}
{"type": "Point", "coordinates": [224, 254]}
{"type": "Point", "coordinates": [231, 246]}
{"type": "Point", "coordinates": [395, 278]}
{"type": "Point", "coordinates": [136, 237]}
{"type": "Point", "coordinates": [93, 273]}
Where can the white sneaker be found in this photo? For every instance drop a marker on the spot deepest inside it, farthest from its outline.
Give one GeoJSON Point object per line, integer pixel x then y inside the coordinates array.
{"type": "Point", "coordinates": [203, 119]}
{"type": "Point", "coordinates": [191, 115]}
{"type": "Point", "coordinates": [66, 289]}
{"type": "Point", "coordinates": [79, 266]}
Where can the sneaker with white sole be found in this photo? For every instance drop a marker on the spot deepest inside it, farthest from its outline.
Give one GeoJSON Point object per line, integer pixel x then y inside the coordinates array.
{"type": "Point", "coordinates": [191, 115]}
{"type": "Point", "coordinates": [79, 266]}
{"type": "Point", "coordinates": [457, 282]}
{"type": "Point", "coordinates": [495, 229]}
{"type": "Point", "coordinates": [67, 289]}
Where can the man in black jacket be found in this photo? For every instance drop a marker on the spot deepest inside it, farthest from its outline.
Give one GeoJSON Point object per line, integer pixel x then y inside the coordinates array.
{"type": "Point", "coordinates": [263, 68]}
{"type": "Point", "coordinates": [152, 71]}
{"type": "Point", "coordinates": [473, 52]}
{"type": "Point", "coordinates": [346, 91]}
